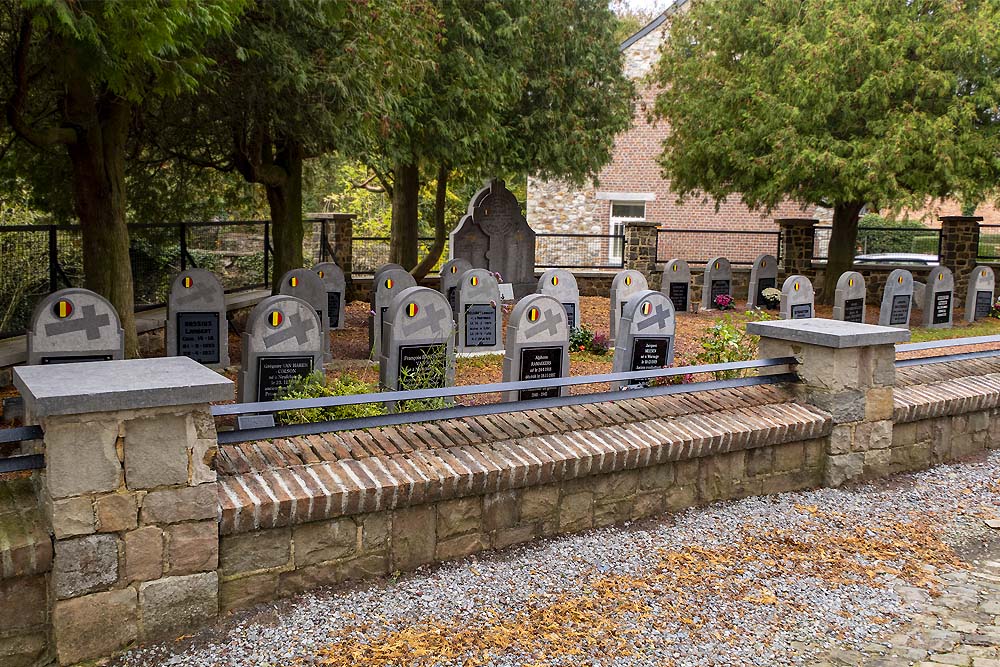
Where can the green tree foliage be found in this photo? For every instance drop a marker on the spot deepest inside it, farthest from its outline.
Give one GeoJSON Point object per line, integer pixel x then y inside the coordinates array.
{"type": "Point", "coordinates": [78, 72]}
{"type": "Point", "coordinates": [834, 102]}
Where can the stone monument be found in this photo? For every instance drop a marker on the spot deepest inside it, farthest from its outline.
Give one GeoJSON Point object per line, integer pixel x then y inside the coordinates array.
{"type": "Point", "coordinates": [419, 341]}
{"type": "Point", "coordinates": [74, 325]}
{"type": "Point", "coordinates": [451, 275]}
{"type": "Point", "coordinates": [308, 286]}
{"type": "Point", "coordinates": [336, 289]}
{"type": "Point", "coordinates": [979, 300]}
{"type": "Point", "coordinates": [718, 281]}
{"type": "Point", "coordinates": [849, 298]}
{"type": "Point", "coordinates": [646, 338]}
{"type": "Point", "coordinates": [480, 314]}
{"type": "Point", "coordinates": [897, 299]}
{"type": "Point", "coordinates": [624, 285]}
{"type": "Point", "coordinates": [390, 283]}
{"type": "Point", "coordinates": [938, 298]}
{"type": "Point", "coordinates": [677, 285]}
{"type": "Point", "coordinates": [797, 298]}
{"type": "Point", "coordinates": [763, 274]}
{"type": "Point", "coordinates": [283, 341]}
{"type": "Point", "coordinates": [561, 284]}
{"type": "Point", "coordinates": [537, 346]}
{"type": "Point", "coordinates": [196, 319]}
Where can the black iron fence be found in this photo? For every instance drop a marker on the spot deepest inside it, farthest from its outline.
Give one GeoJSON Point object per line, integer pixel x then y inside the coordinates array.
{"type": "Point", "coordinates": [884, 241]}
{"type": "Point", "coordinates": [700, 246]}
{"type": "Point", "coordinates": [579, 251]}
{"type": "Point", "coordinates": [368, 253]}
{"type": "Point", "coordinates": [989, 242]}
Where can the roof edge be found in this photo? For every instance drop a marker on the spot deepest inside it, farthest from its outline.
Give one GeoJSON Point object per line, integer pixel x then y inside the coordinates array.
{"type": "Point", "coordinates": [652, 25]}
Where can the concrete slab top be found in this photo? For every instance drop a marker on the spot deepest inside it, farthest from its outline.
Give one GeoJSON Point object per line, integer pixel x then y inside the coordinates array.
{"type": "Point", "coordinates": [829, 333]}
{"type": "Point", "coordinates": [104, 386]}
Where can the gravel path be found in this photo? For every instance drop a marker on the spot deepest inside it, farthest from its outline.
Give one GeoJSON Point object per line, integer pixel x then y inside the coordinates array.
{"type": "Point", "coordinates": [778, 580]}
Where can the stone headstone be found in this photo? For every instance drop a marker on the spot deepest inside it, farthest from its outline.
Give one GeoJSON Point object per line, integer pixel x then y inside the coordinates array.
{"type": "Point", "coordinates": [763, 274]}
{"type": "Point", "coordinates": [797, 298]}
{"type": "Point", "coordinates": [939, 297]}
{"type": "Point", "coordinates": [451, 275]}
{"type": "Point", "coordinates": [979, 299]}
{"type": "Point", "coordinates": [561, 284]}
{"type": "Point", "coordinates": [308, 286]}
{"type": "Point", "coordinates": [390, 283]}
{"type": "Point", "coordinates": [385, 267]}
{"type": "Point", "coordinates": [336, 288]}
{"type": "Point", "coordinates": [480, 313]}
{"type": "Point", "coordinates": [676, 284]}
{"type": "Point", "coordinates": [537, 346]}
{"type": "Point", "coordinates": [718, 281]}
{"type": "Point", "coordinates": [646, 338]}
{"type": "Point", "coordinates": [624, 285]}
{"type": "Point", "coordinates": [196, 318]}
{"type": "Point", "coordinates": [849, 298]}
{"type": "Point", "coordinates": [283, 340]}
{"type": "Point", "coordinates": [897, 299]}
{"type": "Point", "coordinates": [494, 235]}
{"type": "Point", "coordinates": [74, 325]}
{"type": "Point", "coordinates": [418, 351]}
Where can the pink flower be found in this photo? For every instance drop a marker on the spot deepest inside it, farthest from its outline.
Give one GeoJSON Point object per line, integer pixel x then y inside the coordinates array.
{"type": "Point", "coordinates": [371, 313]}
{"type": "Point", "coordinates": [493, 304]}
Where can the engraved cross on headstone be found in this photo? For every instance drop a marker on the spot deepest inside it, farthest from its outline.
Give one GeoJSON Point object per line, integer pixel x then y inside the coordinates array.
{"type": "Point", "coordinates": [297, 328]}
{"type": "Point", "coordinates": [658, 318]}
{"type": "Point", "coordinates": [547, 322]}
{"type": "Point", "coordinates": [199, 291]}
{"type": "Point", "coordinates": [431, 314]}
{"type": "Point", "coordinates": [88, 321]}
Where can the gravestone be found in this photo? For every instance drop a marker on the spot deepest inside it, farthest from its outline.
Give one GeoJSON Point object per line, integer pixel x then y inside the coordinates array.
{"type": "Point", "coordinates": [480, 314]}
{"type": "Point", "coordinates": [646, 341]}
{"type": "Point", "coordinates": [718, 281]}
{"type": "Point", "coordinates": [390, 283]}
{"type": "Point", "coordinates": [196, 319]}
{"type": "Point", "coordinates": [494, 235]}
{"type": "Point", "coordinates": [419, 337]}
{"type": "Point", "coordinates": [283, 340]}
{"type": "Point", "coordinates": [625, 284]}
{"type": "Point", "coordinates": [336, 287]}
{"type": "Point", "coordinates": [897, 299]}
{"type": "Point", "coordinates": [561, 284]}
{"type": "Point", "coordinates": [979, 299]}
{"type": "Point", "coordinates": [849, 298]}
{"type": "Point", "coordinates": [763, 274]}
{"type": "Point", "coordinates": [537, 346]}
{"type": "Point", "coordinates": [451, 275]}
{"type": "Point", "coordinates": [382, 269]}
{"type": "Point", "coordinates": [797, 298]}
{"type": "Point", "coordinates": [939, 296]}
{"type": "Point", "coordinates": [308, 286]}
{"type": "Point", "coordinates": [676, 284]}
{"type": "Point", "coordinates": [74, 325]}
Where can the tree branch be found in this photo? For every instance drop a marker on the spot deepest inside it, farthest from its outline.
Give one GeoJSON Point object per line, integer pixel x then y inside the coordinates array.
{"type": "Point", "coordinates": [386, 187]}
{"type": "Point", "coordinates": [364, 185]}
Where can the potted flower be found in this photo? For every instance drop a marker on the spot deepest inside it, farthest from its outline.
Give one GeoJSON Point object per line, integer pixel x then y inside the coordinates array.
{"type": "Point", "coordinates": [723, 302]}
{"type": "Point", "coordinates": [772, 298]}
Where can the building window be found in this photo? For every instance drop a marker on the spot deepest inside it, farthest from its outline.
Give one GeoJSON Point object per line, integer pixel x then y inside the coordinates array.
{"type": "Point", "coordinates": [621, 213]}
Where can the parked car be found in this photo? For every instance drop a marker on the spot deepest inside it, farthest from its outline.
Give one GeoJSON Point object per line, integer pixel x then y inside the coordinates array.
{"type": "Point", "coordinates": [898, 258]}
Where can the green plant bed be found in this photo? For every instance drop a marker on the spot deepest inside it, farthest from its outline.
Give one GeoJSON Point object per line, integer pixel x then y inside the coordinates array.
{"type": "Point", "coordinates": [987, 327]}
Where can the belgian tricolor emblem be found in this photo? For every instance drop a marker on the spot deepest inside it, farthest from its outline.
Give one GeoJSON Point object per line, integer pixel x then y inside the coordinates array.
{"type": "Point", "coordinates": [628, 280]}
{"type": "Point", "coordinates": [412, 309]}
{"type": "Point", "coordinates": [474, 280]}
{"type": "Point", "coordinates": [275, 318]}
{"type": "Point", "coordinates": [321, 273]}
{"type": "Point", "coordinates": [389, 283]}
{"type": "Point", "coordinates": [188, 281]}
{"type": "Point", "coordinates": [533, 314]}
{"type": "Point", "coordinates": [62, 309]}
{"type": "Point", "coordinates": [454, 269]}
{"type": "Point", "coordinates": [555, 280]}
{"type": "Point", "coordinates": [796, 285]}
{"type": "Point", "coordinates": [646, 308]}
{"type": "Point", "coordinates": [293, 281]}
{"type": "Point", "coordinates": [850, 282]}
{"type": "Point", "coordinates": [899, 280]}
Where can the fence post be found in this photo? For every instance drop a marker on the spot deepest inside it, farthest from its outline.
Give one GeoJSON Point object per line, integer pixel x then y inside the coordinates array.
{"type": "Point", "coordinates": [53, 259]}
{"type": "Point", "coordinates": [798, 238]}
{"type": "Point", "coordinates": [640, 250]}
{"type": "Point", "coordinates": [959, 249]}
{"type": "Point", "coordinates": [343, 250]}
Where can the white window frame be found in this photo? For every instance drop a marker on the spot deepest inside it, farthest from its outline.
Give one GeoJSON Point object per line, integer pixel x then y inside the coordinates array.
{"type": "Point", "coordinates": [616, 226]}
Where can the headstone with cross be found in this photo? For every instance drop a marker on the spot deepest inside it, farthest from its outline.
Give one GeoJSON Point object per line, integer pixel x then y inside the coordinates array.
{"type": "Point", "coordinates": [480, 313]}
{"type": "Point", "coordinates": [763, 275]}
{"type": "Point", "coordinates": [418, 348]}
{"type": "Point", "coordinates": [494, 235]}
{"type": "Point", "coordinates": [451, 275]}
{"type": "Point", "coordinates": [283, 340]}
{"type": "Point", "coordinates": [939, 297]}
{"type": "Point", "coordinates": [196, 318]}
{"type": "Point", "coordinates": [718, 281]}
{"type": "Point", "coordinates": [308, 286]}
{"type": "Point", "coordinates": [897, 300]}
{"type": "Point", "coordinates": [646, 338]}
{"type": "Point", "coordinates": [623, 286]}
{"type": "Point", "coordinates": [74, 325]}
{"type": "Point", "coordinates": [849, 298]}
{"type": "Point", "coordinates": [336, 287]}
{"type": "Point", "coordinates": [537, 346]}
{"type": "Point", "coordinates": [561, 284]}
{"type": "Point", "coordinates": [979, 299]}
{"type": "Point", "coordinates": [797, 299]}
{"type": "Point", "coordinates": [390, 283]}
{"type": "Point", "coordinates": [677, 285]}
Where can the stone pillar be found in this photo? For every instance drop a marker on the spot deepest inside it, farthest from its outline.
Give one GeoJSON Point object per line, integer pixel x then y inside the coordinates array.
{"type": "Point", "coordinates": [130, 496]}
{"type": "Point", "coordinates": [798, 236]}
{"type": "Point", "coordinates": [847, 370]}
{"type": "Point", "coordinates": [343, 251]}
{"type": "Point", "coordinates": [640, 250]}
{"type": "Point", "coordinates": [960, 250]}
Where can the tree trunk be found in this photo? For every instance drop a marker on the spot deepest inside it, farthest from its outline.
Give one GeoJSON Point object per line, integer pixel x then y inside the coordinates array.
{"type": "Point", "coordinates": [98, 166]}
{"type": "Point", "coordinates": [405, 201]}
{"type": "Point", "coordinates": [285, 202]}
{"type": "Point", "coordinates": [843, 242]}
{"type": "Point", "coordinates": [440, 203]}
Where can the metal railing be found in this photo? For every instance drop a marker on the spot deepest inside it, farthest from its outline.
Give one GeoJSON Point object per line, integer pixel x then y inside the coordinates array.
{"type": "Point", "coordinates": [943, 358]}
{"type": "Point", "coordinates": [461, 411]}
{"type": "Point", "coordinates": [579, 251]}
{"type": "Point", "coordinates": [989, 242]}
{"type": "Point", "coordinates": [20, 462]}
{"type": "Point", "coordinates": [700, 246]}
{"type": "Point", "coordinates": [883, 240]}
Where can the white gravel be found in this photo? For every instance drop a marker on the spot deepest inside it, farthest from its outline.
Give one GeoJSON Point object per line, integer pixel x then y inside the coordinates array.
{"type": "Point", "coordinates": [811, 614]}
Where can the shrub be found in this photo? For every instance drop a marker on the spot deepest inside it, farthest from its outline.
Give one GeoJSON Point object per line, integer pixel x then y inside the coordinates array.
{"type": "Point", "coordinates": [583, 339]}
{"type": "Point", "coordinates": [315, 385]}
{"type": "Point", "coordinates": [431, 372]}
{"type": "Point", "coordinates": [925, 245]}
{"type": "Point", "coordinates": [726, 342]}
{"type": "Point", "coordinates": [899, 238]}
